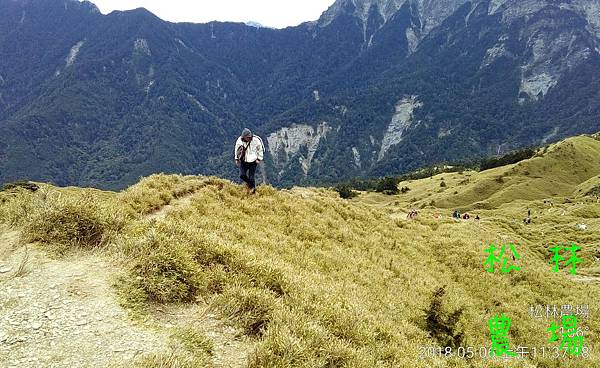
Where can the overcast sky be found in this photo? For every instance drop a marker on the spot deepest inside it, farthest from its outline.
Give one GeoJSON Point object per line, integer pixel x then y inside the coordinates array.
{"type": "Point", "coordinates": [272, 13]}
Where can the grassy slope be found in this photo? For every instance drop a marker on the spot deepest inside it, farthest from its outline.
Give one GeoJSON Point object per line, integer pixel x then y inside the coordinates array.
{"type": "Point", "coordinates": [589, 187]}
{"type": "Point", "coordinates": [323, 282]}
{"type": "Point", "coordinates": [554, 173]}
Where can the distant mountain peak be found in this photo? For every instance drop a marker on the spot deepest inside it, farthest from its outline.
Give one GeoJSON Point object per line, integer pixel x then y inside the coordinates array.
{"type": "Point", "coordinates": [85, 4]}
{"type": "Point", "coordinates": [256, 25]}
{"type": "Point", "coordinates": [90, 6]}
{"type": "Point", "coordinates": [362, 9]}
{"type": "Point", "coordinates": [431, 14]}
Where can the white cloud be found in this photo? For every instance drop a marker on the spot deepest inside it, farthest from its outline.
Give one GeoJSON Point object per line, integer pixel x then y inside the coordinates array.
{"type": "Point", "coordinates": [272, 13]}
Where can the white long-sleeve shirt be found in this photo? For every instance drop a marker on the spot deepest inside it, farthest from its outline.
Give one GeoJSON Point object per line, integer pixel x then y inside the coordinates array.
{"type": "Point", "coordinates": [255, 149]}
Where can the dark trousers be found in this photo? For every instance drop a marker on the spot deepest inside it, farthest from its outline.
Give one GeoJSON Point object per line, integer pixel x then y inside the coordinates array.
{"type": "Point", "coordinates": [247, 170]}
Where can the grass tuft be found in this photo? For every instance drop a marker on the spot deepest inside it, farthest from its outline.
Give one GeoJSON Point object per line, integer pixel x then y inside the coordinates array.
{"type": "Point", "coordinates": [66, 221]}
{"type": "Point", "coordinates": [251, 308]}
{"type": "Point", "coordinates": [162, 269]}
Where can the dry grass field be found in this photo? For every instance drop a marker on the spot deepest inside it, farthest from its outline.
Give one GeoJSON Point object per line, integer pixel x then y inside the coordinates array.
{"type": "Point", "coordinates": [313, 280]}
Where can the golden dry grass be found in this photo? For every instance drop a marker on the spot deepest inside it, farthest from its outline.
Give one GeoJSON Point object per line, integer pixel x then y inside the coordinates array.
{"type": "Point", "coordinates": [319, 281]}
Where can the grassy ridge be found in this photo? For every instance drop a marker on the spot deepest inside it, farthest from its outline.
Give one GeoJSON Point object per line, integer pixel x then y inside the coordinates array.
{"type": "Point", "coordinates": [567, 169]}
{"type": "Point", "coordinates": [319, 281]}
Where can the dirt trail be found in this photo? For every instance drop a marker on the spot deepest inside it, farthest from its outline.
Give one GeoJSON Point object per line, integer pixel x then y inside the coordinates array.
{"type": "Point", "coordinates": [585, 278]}
{"type": "Point", "coordinates": [231, 349]}
{"type": "Point", "coordinates": [175, 203]}
{"type": "Point", "coordinates": [65, 313]}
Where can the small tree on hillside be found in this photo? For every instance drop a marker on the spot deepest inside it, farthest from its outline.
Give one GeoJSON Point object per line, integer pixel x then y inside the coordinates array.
{"type": "Point", "coordinates": [388, 185]}
{"type": "Point", "coordinates": [345, 191]}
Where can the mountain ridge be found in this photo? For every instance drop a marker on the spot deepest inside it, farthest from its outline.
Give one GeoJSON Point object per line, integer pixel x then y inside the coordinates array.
{"type": "Point", "coordinates": [85, 108]}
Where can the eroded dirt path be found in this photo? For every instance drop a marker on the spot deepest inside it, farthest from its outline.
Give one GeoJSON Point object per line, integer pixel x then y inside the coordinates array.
{"type": "Point", "coordinates": [176, 203]}
{"type": "Point", "coordinates": [63, 313]}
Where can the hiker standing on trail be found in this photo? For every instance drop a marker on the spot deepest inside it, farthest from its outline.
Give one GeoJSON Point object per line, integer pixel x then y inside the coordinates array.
{"type": "Point", "coordinates": [249, 152]}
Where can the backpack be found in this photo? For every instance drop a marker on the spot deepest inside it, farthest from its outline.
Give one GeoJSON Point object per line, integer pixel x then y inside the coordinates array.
{"type": "Point", "coordinates": [241, 152]}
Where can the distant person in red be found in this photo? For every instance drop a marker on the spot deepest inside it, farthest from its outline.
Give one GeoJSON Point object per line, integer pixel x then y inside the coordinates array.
{"type": "Point", "coordinates": [249, 152]}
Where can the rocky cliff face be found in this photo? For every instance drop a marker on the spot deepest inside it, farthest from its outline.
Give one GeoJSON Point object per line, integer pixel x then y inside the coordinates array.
{"type": "Point", "coordinates": [401, 121]}
{"type": "Point", "coordinates": [535, 44]}
{"type": "Point", "coordinates": [556, 37]}
{"type": "Point", "coordinates": [374, 14]}
{"type": "Point", "coordinates": [297, 142]}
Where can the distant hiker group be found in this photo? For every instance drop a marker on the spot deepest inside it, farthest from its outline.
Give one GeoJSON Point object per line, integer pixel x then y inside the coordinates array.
{"type": "Point", "coordinates": [412, 214]}
{"type": "Point", "coordinates": [465, 216]}
{"type": "Point", "coordinates": [249, 152]}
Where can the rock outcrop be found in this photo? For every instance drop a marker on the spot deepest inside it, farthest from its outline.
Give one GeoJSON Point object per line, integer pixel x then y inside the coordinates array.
{"type": "Point", "coordinates": [298, 141]}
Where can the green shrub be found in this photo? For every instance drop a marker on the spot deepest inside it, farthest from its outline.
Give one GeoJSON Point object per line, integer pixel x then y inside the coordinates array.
{"type": "Point", "coordinates": [595, 191]}
{"type": "Point", "coordinates": [388, 185]}
{"type": "Point", "coordinates": [26, 185]}
{"type": "Point", "coordinates": [509, 158]}
{"type": "Point", "coordinates": [345, 191]}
